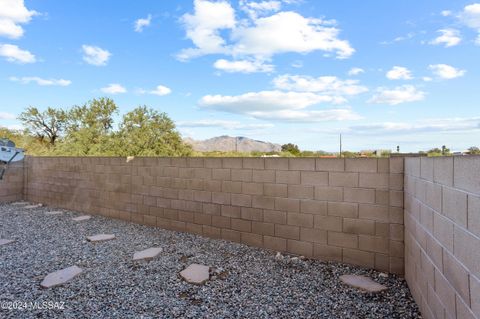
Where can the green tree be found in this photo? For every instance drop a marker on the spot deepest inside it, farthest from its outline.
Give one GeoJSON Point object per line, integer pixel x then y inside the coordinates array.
{"type": "Point", "coordinates": [146, 132]}
{"type": "Point", "coordinates": [47, 125]}
{"type": "Point", "coordinates": [89, 128]}
{"type": "Point", "coordinates": [291, 148]}
{"type": "Point", "coordinates": [97, 113]}
{"type": "Point", "coordinates": [439, 151]}
{"type": "Point", "coordinates": [474, 150]}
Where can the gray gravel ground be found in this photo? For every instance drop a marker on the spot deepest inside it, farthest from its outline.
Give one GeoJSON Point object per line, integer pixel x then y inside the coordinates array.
{"type": "Point", "coordinates": [255, 284]}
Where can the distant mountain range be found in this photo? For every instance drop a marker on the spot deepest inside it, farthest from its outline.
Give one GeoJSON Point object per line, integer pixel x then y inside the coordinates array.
{"type": "Point", "coordinates": [227, 143]}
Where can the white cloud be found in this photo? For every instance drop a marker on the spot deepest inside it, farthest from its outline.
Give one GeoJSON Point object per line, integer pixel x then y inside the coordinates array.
{"type": "Point", "coordinates": [425, 125]}
{"type": "Point", "coordinates": [203, 28]}
{"type": "Point", "coordinates": [95, 56]}
{"type": "Point", "coordinates": [140, 24]}
{"type": "Point", "coordinates": [41, 81]}
{"type": "Point", "coordinates": [264, 100]}
{"type": "Point", "coordinates": [225, 124]}
{"type": "Point", "coordinates": [289, 32]}
{"type": "Point", "coordinates": [297, 64]}
{"type": "Point", "coordinates": [427, 79]}
{"type": "Point", "coordinates": [471, 16]}
{"type": "Point", "coordinates": [161, 90]}
{"type": "Point", "coordinates": [355, 71]}
{"type": "Point", "coordinates": [242, 66]}
{"type": "Point", "coordinates": [446, 72]}
{"type": "Point", "coordinates": [405, 37]}
{"type": "Point", "coordinates": [446, 13]}
{"type": "Point", "coordinates": [278, 105]}
{"type": "Point", "coordinates": [256, 9]}
{"type": "Point", "coordinates": [258, 38]}
{"type": "Point", "coordinates": [307, 116]}
{"type": "Point", "coordinates": [398, 95]}
{"type": "Point", "coordinates": [399, 73]}
{"type": "Point", "coordinates": [7, 116]}
{"type": "Point", "coordinates": [325, 84]}
{"type": "Point", "coordinates": [13, 13]}
{"type": "Point", "coordinates": [114, 88]}
{"type": "Point", "coordinates": [13, 53]}
{"type": "Point", "coordinates": [447, 37]}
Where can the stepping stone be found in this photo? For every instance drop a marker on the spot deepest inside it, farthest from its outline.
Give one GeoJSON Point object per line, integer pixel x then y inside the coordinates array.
{"type": "Point", "coordinates": [196, 274]}
{"type": "Point", "coordinates": [55, 212]}
{"type": "Point", "coordinates": [60, 276]}
{"type": "Point", "coordinates": [147, 253]}
{"type": "Point", "coordinates": [33, 206]}
{"type": "Point", "coordinates": [363, 283]}
{"type": "Point", "coordinates": [6, 241]}
{"type": "Point", "coordinates": [80, 218]}
{"type": "Point", "coordinates": [19, 203]}
{"type": "Point", "coordinates": [100, 237]}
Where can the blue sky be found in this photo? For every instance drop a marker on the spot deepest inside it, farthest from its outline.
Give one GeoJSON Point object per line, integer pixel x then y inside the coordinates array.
{"type": "Point", "coordinates": [382, 73]}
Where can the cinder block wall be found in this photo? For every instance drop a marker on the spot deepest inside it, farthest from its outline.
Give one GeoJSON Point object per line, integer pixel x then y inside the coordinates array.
{"type": "Point", "coordinates": [11, 186]}
{"type": "Point", "coordinates": [442, 238]}
{"type": "Point", "coordinates": [348, 210]}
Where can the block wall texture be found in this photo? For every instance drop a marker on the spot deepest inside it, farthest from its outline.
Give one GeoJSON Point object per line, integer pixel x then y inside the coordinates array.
{"type": "Point", "coordinates": [11, 186]}
{"type": "Point", "coordinates": [348, 210]}
{"type": "Point", "coordinates": [442, 235]}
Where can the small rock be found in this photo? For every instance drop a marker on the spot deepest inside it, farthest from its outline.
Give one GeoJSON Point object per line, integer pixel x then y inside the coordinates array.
{"type": "Point", "coordinates": [6, 241]}
{"type": "Point", "coordinates": [33, 206]}
{"type": "Point", "coordinates": [383, 275]}
{"type": "Point", "coordinates": [100, 237]}
{"type": "Point", "coordinates": [19, 203]}
{"type": "Point", "coordinates": [196, 274]}
{"type": "Point", "coordinates": [148, 253]}
{"type": "Point", "coordinates": [55, 212]}
{"type": "Point", "coordinates": [278, 256]}
{"type": "Point", "coordinates": [60, 276]}
{"type": "Point", "coordinates": [80, 218]}
{"type": "Point", "coordinates": [363, 283]}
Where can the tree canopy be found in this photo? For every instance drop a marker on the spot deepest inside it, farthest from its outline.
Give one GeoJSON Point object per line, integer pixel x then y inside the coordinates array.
{"type": "Point", "coordinates": [90, 129]}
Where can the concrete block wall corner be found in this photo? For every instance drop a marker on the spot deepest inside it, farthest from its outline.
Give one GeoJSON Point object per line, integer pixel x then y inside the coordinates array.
{"type": "Point", "coordinates": [418, 217]}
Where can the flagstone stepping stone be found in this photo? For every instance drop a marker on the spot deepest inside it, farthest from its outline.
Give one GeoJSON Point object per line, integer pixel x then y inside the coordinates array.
{"type": "Point", "coordinates": [60, 277]}
{"type": "Point", "coordinates": [6, 241]}
{"type": "Point", "coordinates": [364, 283]}
{"type": "Point", "coordinates": [19, 203]}
{"type": "Point", "coordinates": [33, 206]}
{"type": "Point", "coordinates": [80, 218]}
{"type": "Point", "coordinates": [147, 253]}
{"type": "Point", "coordinates": [55, 212]}
{"type": "Point", "coordinates": [100, 237]}
{"type": "Point", "coordinates": [196, 274]}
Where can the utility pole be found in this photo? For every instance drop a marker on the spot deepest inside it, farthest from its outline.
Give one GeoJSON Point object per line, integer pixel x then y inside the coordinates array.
{"type": "Point", "coordinates": [340, 145]}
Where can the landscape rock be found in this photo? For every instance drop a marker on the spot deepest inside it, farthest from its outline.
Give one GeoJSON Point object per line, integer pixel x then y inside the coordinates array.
{"type": "Point", "coordinates": [148, 253]}
{"type": "Point", "coordinates": [196, 274]}
{"type": "Point", "coordinates": [19, 203]}
{"type": "Point", "coordinates": [55, 212]}
{"type": "Point", "coordinates": [81, 218]}
{"type": "Point", "coordinates": [245, 282]}
{"type": "Point", "coordinates": [33, 206]}
{"type": "Point", "coordinates": [100, 237]}
{"type": "Point", "coordinates": [363, 283]}
{"type": "Point", "coordinates": [60, 277]}
{"type": "Point", "coordinates": [6, 241]}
